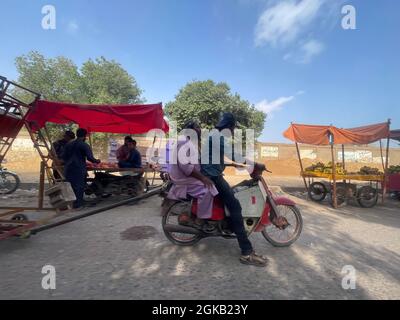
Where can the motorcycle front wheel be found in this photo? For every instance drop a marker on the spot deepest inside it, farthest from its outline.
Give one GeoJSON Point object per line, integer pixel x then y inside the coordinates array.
{"type": "Point", "coordinates": [285, 237]}
{"type": "Point", "coordinates": [171, 217]}
{"type": "Point", "coordinates": [9, 182]}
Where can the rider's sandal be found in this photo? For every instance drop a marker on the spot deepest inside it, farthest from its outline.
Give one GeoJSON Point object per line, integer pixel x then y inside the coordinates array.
{"type": "Point", "coordinates": [254, 260]}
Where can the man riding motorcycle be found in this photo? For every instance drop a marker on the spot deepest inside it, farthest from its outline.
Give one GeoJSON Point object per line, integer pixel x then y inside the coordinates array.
{"type": "Point", "coordinates": [215, 172]}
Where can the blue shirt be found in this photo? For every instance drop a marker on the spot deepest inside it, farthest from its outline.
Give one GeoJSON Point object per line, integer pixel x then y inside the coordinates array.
{"type": "Point", "coordinates": [211, 169]}
{"type": "Point", "coordinates": [75, 154]}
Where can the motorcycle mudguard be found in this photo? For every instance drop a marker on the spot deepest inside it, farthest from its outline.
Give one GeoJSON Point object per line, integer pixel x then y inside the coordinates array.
{"type": "Point", "coordinates": [284, 201]}
{"type": "Point", "coordinates": [264, 221]}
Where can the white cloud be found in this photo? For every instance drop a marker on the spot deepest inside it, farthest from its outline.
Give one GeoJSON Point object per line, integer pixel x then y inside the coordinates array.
{"type": "Point", "coordinates": [270, 107]}
{"type": "Point", "coordinates": [285, 21]}
{"type": "Point", "coordinates": [310, 49]}
{"type": "Point", "coordinates": [72, 27]}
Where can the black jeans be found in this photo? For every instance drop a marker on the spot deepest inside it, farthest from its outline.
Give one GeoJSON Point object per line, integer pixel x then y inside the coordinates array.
{"type": "Point", "coordinates": [235, 210]}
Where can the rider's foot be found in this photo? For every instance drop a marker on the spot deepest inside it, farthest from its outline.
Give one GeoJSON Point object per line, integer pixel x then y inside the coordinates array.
{"type": "Point", "coordinates": [254, 260]}
{"type": "Point", "coordinates": [186, 220]}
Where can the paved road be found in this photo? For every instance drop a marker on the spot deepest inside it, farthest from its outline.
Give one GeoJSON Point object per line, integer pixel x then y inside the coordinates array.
{"type": "Point", "coordinates": [101, 257]}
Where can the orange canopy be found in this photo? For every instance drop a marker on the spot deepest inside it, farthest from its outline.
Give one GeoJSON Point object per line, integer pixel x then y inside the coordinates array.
{"type": "Point", "coordinates": [320, 135]}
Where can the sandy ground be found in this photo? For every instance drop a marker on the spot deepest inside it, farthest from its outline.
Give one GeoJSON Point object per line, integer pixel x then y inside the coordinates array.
{"type": "Point", "coordinates": [123, 254]}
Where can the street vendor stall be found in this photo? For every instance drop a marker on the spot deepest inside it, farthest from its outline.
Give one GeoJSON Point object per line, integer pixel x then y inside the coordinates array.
{"type": "Point", "coordinates": [117, 119]}
{"type": "Point", "coordinates": [334, 172]}
{"type": "Point", "coordinates": [34, 114]}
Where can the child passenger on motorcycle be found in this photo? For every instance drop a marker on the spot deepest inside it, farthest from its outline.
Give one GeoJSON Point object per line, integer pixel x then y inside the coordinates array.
{"type": "Point", "coordinates": [187, 178]}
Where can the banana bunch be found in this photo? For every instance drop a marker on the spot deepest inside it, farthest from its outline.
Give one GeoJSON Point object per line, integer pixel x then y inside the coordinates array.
{"type": "Point", "coordinates": [321, 167]}
{"type": "Point", "coordinates": [394, 169]}
{"type": "Point", "coordinates": [369, 171]}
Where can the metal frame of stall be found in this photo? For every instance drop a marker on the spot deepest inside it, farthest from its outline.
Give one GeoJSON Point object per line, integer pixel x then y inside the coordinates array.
{"type": "Point", "coordinates": [11, 106]}
{"type": "Point", "coordinates": [41, 139]}
{"type": "Point", "coordinates": [385, 164]}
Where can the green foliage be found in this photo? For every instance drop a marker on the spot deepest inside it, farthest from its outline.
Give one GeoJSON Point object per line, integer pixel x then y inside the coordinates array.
{"type": "Point", "coordinates": [206, 100]}
{"type": "Point", "coordinates": [107, 82]}
{"type": "Point", "coordinates": [59, 79]}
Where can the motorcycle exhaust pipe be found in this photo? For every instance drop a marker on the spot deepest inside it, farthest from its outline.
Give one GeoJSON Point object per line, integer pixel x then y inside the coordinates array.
{"type": "Point", "coordinates": [181, 229]}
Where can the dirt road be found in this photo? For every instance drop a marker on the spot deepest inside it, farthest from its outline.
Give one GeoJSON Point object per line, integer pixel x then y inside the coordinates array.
{"type": "Point", "coordinates": [123, 254]}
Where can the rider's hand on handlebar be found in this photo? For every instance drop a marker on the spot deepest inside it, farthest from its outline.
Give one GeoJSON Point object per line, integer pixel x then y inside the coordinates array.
{"type": "Point", "coordinates": [258, 170]}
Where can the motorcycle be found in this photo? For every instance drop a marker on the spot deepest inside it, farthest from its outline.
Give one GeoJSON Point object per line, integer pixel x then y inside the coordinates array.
{"type": "Point", "coordinates": [277, 218]}
{"type": "Point", "coordinates": [9, 181]}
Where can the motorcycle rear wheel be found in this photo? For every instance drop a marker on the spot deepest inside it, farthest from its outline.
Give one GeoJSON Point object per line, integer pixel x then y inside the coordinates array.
{"type": "Point", "coordinates": [171, 217]}
{"type": "Point", "coordinates": [275, 236]}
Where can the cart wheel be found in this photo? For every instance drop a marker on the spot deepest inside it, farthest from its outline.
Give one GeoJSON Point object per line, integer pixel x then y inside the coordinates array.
{"type": "Point", "coordinates": [19, 217]}
{"type": "Point", "coordinates": [367, 197]}
{"type": "Point", "coordinates": [341, 195]}
{"type": "Point", "coordinates": [317, 191]}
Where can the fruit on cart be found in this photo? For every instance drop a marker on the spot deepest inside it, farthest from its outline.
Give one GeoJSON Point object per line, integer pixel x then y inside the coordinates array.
{"type": "Point", "coordinates": [394, 169]}
{"type": "Point", "coordinates": [318, 167]}
{"type": "Point", "coordinates": [102, 165]}
{"type": "Point", "coordinates": [328, 168]}
{"type": "Point", "coordinates": [369, 171]}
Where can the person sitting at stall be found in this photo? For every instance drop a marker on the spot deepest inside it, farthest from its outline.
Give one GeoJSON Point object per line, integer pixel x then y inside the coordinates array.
{"type": "Point", "coordinates": [123, 151]}
{"type": "Point", "coordinates": [75, 154]}
{"type": "Point", "coordinates": [134, 159]}
{"type": "Point", "coordinates": [58, 148]}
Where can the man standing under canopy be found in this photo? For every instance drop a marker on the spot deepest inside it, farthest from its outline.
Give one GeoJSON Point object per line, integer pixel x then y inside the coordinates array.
{"type": "Point", "coordinates": [74, 156]}
{"type": "Point", "coordinates": [58, 148]}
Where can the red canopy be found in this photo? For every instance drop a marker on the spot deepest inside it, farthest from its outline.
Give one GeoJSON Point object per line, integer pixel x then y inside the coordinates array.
{"type": "Point", "coordinates": [395, 135]}
{"type": "Point", "coordinates": [127, 119]}
{"type": "Point", "coordinates": [319, 135]}
{"type": "Point", "coordinates": [10, 126]}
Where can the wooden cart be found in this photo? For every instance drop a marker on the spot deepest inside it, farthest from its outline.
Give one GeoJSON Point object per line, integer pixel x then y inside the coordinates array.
{"type": "Point", "coordinates": [329, 136]}
{"type": "Point", "coordinates": [321, 184]}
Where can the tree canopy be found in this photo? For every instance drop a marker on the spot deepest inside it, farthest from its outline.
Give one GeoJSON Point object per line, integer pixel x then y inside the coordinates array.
{"type": "Point", "coordinates": [98, 81]}
{"type": "Point", "coordinates": [206, 100]}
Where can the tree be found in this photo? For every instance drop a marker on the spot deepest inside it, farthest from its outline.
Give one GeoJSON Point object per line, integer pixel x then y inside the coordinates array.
{"type": "Point", "coordinates": [59, 79]}
{"type": "Point", "coordinates": [206, 100]}
{"type": "Point", "coordinates": [107, 82]}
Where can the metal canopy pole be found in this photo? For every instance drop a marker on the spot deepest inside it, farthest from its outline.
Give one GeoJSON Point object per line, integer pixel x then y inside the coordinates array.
{"type": "Point", "coordinates": [343, 160]}
{"type": "Point", "coordinates": [385, 173]}
{"type": "Point", "coordinates": [301, 167]}
{"type": "Point", "coordinates": [334, 191]}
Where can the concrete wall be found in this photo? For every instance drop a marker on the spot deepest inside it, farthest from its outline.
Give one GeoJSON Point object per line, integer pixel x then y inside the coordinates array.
{"type": "Point", "coordinates": [283, 157]}
{"type": "Point", "coordinates": [280, 158]}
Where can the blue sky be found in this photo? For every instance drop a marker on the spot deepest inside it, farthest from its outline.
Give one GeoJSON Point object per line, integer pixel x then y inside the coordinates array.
{"type": "Point", "coordinates": [291, 58]}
